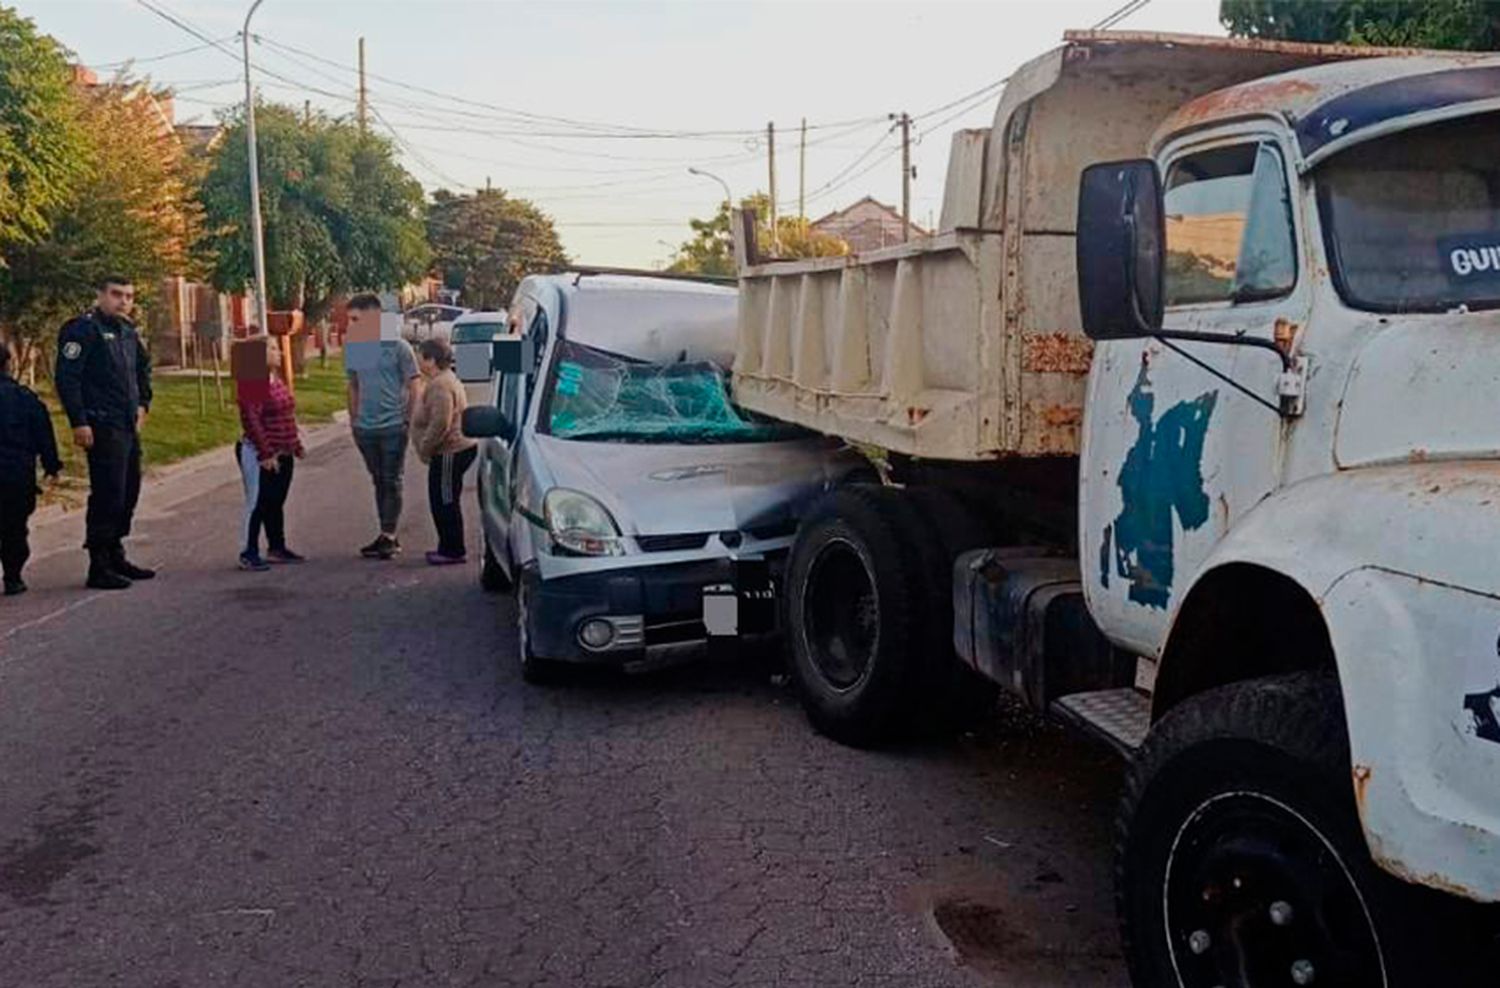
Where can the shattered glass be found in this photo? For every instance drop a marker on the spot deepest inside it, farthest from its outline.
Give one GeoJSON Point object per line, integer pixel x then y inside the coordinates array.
{"type": "Point", "coordinates": [604, 396]}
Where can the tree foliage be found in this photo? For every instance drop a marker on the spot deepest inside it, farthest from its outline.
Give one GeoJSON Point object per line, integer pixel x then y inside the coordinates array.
{"type": "Point", "coordinates": [484, 244]}
{"type": "Point", "coordinates": [710, 250]}
{"type": "Point", "coordinates": [41, 142]}
{"type": "Point", "coordinates": [130, 212]}
{"type": "Point", "coordinates": [1462, 24]}
{"type": "Point", "coordinates": [339, 212]}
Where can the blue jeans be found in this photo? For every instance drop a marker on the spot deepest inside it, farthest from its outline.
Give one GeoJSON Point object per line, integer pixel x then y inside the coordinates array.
{"type": "Point", "coordinates": [385, 458]}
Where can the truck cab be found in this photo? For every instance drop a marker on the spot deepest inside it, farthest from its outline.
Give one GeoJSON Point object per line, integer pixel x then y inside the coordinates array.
{"type": "Point", "coordinates": [1192, 403]}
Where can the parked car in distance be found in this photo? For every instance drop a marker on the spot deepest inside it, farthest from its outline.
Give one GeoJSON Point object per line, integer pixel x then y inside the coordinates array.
{"type": "Point", "coordinates": [421, 322]}
{"type": "Point", "coordinates": [634, 508]}
{"type": "Point", "coordinates": [472, 335]}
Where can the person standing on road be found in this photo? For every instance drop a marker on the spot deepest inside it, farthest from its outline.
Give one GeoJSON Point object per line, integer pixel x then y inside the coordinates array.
{"type": "Point", "coordinates": [267, 454]}
{"type": "Point", "coordinates": [104, 382]}
{"type": "Point", "coordinates": [25, 434]}
{"type": "Point", "coordinates": [438, 436]}
{"type": "Point", "coordinates": [382, 394]}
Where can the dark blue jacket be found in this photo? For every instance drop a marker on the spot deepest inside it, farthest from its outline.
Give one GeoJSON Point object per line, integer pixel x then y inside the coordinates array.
{"type": "Point", "coordinates": [103, 371]}
{"type": "Point", "coordinates": [25, 434]}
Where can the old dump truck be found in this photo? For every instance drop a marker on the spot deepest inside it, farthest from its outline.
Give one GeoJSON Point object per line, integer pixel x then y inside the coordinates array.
{"type": "Point", "coordinates": [1188, 422]}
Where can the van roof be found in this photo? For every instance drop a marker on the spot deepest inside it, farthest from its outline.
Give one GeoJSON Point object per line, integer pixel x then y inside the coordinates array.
{"type": "Point", "coordinates": [647, 318]}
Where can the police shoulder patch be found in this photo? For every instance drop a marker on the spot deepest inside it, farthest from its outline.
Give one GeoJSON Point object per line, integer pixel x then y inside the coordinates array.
{"type": "Point", "coordinates": [72, 349]}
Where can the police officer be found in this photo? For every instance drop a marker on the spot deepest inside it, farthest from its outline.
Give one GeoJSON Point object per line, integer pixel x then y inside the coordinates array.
{"type": "Point", "coordinates": [25, 434]}
{"type": "Point", "coordinates": [104, 381]}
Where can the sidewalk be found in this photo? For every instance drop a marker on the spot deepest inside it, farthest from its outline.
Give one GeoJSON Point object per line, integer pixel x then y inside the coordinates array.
{"type": "Point", "coordinates": [57, 528]}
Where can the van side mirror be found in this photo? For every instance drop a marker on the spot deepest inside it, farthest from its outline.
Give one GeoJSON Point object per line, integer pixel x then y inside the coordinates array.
{"type": "Point", "coordinates": [512, 355]}
{"type": "Point", "coordinates": [1121, 240]}
{"type": "Point", "coordinates": [488, 422]}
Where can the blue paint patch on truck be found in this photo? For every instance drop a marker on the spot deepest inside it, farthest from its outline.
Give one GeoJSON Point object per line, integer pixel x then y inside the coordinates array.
{"type": "Point", "coordinates": [1162, 474]}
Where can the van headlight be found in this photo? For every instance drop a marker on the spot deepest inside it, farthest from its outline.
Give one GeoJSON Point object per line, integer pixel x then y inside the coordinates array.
{"type": "Point", "coordinates": [580, 525]}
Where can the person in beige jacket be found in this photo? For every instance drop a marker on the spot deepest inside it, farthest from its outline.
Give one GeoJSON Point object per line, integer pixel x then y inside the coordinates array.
{"type": "Point", "coordinates": [441, 444]}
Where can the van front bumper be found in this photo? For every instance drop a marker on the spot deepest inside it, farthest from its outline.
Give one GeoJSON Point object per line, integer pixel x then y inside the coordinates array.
{"type": "Point", "coordinates": [656, 613]}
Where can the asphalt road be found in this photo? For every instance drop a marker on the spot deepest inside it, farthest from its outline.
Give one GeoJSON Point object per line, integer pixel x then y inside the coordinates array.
{"type": "Point", "coordinates": [333, 775]}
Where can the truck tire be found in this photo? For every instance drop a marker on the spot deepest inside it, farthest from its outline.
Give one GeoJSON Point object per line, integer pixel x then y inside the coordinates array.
{"type": "Point", "coordinates": [1240, 858]}
{"type": "Point", "coordinates": [854, 604]}
{"type": "Point", "coordinates": [492, 578]}
{"type": "Point", "coordinates": [942, 527]}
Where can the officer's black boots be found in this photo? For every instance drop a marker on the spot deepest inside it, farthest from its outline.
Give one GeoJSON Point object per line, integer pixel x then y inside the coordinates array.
{"type": "Point", "coordinates": [102, 574]}
{"type": "Point", "coordinates": [126, 568]}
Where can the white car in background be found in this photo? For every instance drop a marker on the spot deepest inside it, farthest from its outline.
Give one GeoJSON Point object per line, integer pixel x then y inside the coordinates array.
{"type": "Point", "coordinates": [472, 335]}
{"type": "Point", "coordinates": [430, 320]}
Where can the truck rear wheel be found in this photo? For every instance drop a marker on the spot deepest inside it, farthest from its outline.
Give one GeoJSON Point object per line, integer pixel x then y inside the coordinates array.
{"type": "Point", "coordinates": [853, 613]}
{"type": "Point", "coordinates": [1241, 862]}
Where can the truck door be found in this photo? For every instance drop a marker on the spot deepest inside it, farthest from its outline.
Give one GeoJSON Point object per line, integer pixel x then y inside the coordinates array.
{"type": "Point", "coordinates": [1173, 453]}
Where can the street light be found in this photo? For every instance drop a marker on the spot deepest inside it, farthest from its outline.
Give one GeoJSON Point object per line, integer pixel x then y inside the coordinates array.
{"type": "Point", "coordinates": [728, 196]}
{"type": "Point", "coordinates": [256, 235]}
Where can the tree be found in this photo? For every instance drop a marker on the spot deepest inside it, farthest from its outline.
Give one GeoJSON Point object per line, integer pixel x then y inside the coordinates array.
{"type": "Point", "coordinates": [41, 142]}
{"type": "Point", "coordinates": [339, 212]}
{"type": "Point", "coordinates": [484, 243]}
{"type": "Point", "coordinates": [1463, 24]}
{"type": "Point", "coordinates": [130, 212]}
{"type": "Point", "coordinates": [710, 251]}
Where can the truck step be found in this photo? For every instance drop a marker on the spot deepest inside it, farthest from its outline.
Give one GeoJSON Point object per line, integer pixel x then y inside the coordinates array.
{"type": "Point", "coordinates": [1119, 717]}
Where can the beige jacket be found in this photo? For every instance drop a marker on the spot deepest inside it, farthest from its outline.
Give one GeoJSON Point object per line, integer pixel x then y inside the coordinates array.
{"type": "Point", "coordinates": [436, 425]}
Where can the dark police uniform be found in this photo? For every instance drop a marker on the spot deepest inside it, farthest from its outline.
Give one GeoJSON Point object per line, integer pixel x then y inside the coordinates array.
{"type": "Point", "coordinates": [103, 377]}
{"type": "Point", "coordinates": [25, 434]}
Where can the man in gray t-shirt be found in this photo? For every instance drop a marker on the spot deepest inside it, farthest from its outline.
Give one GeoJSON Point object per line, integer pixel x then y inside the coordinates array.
{"type": "Point", "coordinates": [382, 392]}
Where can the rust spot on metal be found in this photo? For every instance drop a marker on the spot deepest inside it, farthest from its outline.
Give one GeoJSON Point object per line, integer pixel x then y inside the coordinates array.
{"type": "Point", "coordinates": [1361, 782]}
{"type": "Point", "coordinates": [1285, 335]}
{"type": "Point", "coordinates": [1269, 96]}
{"type": "Point", "coordinates": [1056, 353]}
{"type": "Point", "coordinates": [1058, 416]}
{"type": "Point", "coordinates": [914, 414]}
{"type": "Point", "coordinates": [1418, 455]}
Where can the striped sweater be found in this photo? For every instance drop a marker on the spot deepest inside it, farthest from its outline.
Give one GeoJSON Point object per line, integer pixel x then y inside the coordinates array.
{"type": "Point", "coordinates": [271, 425]}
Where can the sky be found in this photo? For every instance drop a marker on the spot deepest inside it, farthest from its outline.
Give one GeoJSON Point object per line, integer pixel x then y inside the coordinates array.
{"type": "Point", "coordinates": [595, 111]}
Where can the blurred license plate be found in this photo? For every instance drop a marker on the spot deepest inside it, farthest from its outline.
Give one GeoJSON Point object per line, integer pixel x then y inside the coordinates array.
{"type": "Point", "coordinates": [746, 606]}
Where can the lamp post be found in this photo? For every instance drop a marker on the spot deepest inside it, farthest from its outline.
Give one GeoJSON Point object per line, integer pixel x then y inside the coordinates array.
{"type": "Point", "coordinates": [728, 196]}
{"type": "Point", "coordinates": [256, 236]}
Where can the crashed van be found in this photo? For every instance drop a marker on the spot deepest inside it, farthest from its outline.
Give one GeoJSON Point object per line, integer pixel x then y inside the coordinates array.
{"type": "Point", "coordinates": [635, 510]}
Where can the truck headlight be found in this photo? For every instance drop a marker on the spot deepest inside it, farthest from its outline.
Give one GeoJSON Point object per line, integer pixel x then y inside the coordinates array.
{"type": "Point", "coordinates": [580, 525]}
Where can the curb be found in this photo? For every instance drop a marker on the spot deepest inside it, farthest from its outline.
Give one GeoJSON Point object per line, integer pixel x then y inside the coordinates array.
{"type": "Point", "coordinates": [313, 438]}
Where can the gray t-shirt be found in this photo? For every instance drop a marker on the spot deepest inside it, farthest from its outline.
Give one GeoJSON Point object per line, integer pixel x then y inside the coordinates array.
{"type": "Point", "coordinates": [382, 385]}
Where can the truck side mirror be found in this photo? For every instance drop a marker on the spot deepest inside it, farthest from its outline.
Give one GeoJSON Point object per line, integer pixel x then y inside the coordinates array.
{"type": "Point", "coordinates": [488, 422]}
{"type": "Point", "coordinates": [1120, 240]}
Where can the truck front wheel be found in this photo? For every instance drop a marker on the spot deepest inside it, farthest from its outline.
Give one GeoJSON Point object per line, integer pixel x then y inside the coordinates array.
{"type": "Point", "coordinates": [1241, 862]}
{"type": "Point", "coordinates": [852, 614]}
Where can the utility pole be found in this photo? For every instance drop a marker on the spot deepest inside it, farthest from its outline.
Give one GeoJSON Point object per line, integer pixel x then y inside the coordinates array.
{"type": "Point", "coordinates": [903, 120]}
{"type": "Point", "coordinates": [257, 238]}
{"type": "Point", "coordinates": [307, 113]}
{"type": "Point", "coordinates": [802, 178]}
{"type": "Point", "coordinates": [363, 101]}
{"type": "Point", "coordinates": [771, 149]}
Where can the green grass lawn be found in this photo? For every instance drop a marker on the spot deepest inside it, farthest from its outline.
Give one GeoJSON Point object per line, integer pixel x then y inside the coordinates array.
{"type": "Point", "coordinates": [177, 429]}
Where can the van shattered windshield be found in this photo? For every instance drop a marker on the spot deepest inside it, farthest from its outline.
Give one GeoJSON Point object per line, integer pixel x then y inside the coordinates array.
{"type": "Point", "coordinates": [1413, 220]}
{"type": "Point", "coordinates": [606, 397]}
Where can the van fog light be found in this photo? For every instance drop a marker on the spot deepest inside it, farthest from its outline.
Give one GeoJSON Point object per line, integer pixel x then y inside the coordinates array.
{"type": "Point", "coordinates": [596, 633]}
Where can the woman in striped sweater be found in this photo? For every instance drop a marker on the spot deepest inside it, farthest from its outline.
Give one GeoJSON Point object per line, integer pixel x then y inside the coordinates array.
{"type": "Point", "coordinates": [267, 452]}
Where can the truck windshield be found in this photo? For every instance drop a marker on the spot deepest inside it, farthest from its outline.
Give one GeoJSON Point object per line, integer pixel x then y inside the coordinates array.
{"type": "Point", "coordinates": [1413, 220]}
{"type": "Point", "coordinates": [606, 397]}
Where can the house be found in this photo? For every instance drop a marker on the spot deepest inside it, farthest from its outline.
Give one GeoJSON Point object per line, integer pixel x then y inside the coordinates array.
{"type": "Point", "coordinates": [867, 225]}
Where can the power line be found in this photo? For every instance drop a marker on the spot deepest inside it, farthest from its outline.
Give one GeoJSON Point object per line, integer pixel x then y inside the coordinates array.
{"type": "Point", "coordinates": [1124, 11]}
{"type": "Point", "coordinates": [163, 56]}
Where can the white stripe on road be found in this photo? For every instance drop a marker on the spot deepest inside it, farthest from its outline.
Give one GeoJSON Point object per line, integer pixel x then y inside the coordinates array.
{"type": "Point", "coordinates": [37, 622]}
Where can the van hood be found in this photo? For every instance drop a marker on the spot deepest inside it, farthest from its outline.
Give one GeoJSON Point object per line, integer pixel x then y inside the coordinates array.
{"type": "Point", "coordinates": [681, 488]}
{"type": "Point", "coordinates": [1424, 387]}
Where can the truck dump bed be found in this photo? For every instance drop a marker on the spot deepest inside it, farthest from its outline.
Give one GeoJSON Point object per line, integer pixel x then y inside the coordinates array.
{"type": "Point", "coordinates": [967, 345]}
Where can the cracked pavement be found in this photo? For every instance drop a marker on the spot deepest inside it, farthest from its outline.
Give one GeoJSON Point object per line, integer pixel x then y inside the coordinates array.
{"type": "Point", "coordinates": [333, 775]}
